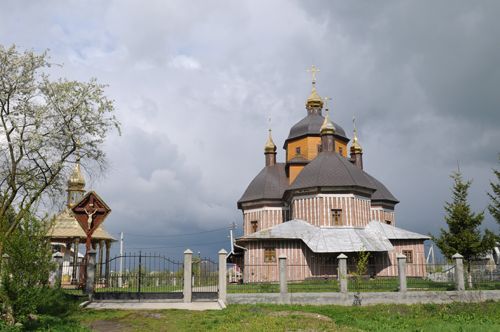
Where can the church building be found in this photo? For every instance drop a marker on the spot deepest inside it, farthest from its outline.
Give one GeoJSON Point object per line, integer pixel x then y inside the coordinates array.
{"type": "Point", "coordinates": [318, 204]}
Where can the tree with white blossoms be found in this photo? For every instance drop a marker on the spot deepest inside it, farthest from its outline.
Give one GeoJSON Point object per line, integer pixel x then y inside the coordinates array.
{"type": "Point", "coordinates": [45, 126]}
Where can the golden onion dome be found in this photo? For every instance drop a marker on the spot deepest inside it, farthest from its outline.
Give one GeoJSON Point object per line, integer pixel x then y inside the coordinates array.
{"type": "Point", "coordinates": [355, 146]}
{"type": "Point", "coordinates": [327, 127]}
{"type": "Point", "coordinates": [76, 178]}
{"type": "Point", "coordinates": [270, 146]}
{"type": "Point", "coordinates": [314, 100]}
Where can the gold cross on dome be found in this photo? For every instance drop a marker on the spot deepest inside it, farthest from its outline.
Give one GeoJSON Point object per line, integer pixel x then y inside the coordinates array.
{"type": "Point", "coordinates": [326, 99]}
{"type": "Point", "coordinates": [313, 72]}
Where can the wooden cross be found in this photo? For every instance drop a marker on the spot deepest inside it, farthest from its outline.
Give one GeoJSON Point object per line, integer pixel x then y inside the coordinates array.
{"type": "Point", "coordinates": [313, 72]}
{"type": "Point", "coordinates": [90, 212]}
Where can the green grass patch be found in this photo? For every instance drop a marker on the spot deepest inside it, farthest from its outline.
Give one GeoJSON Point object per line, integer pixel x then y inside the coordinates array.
{"type": "Point", "coordinates": [354, 285]}
{"type": "Point", "coordinates": [425, 317]}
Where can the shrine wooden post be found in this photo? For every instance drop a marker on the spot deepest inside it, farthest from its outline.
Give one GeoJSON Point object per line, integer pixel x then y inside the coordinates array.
{"type": "Point", "coordinates": [90, 212]}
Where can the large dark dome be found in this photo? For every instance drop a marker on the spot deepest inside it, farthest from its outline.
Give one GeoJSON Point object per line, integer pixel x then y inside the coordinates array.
{"type": "Point", "coordinates": [329, 169]}
{"type": "Point", "coordinates": [382, 194]}
{"type": "Point", "coordinates": [269, 184]}
{"type": "Point", "coordinates": [310, 125]}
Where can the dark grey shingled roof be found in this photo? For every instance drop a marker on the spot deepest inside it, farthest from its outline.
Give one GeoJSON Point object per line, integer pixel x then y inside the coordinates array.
{"type": "Point", "coordinates": [311, 125]}
{"type": "Point", "coordinates": [329, 169]}
{"type": "Point", "coordinates": [382, 193]}
{"type": "Point", "coordinates": [270, 183]}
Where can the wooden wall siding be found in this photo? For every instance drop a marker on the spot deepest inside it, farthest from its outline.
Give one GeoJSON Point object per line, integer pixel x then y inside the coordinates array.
{"type": "Point", "coordinates": [317, 209]}
{"type": "Point", "coordinates": [302, 263]}
{"type": "Point", "coordinates": [417, 268]}
{"type": "Point", "coordinates": [381, 214]}
{"type": "Point", "coordinates": [265, 217]}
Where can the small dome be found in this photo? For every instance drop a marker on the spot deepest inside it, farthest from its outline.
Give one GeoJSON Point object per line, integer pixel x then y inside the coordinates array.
{"type": "Point", "coordinates": [327, 127]}
{"type": "Point", "coordinates": [76, 178]}
{"type": "Point", "coordinates": [314, 100]}
{"type": "Point", "coordinates": [329, 169]}
{"type": "Point", "coordinates": [269, 184]}
{"type": "Point", "coordinates": [270, 146]}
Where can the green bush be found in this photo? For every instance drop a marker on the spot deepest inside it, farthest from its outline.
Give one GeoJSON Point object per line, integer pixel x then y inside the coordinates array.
{"type": "Point", "coordinates": [25, 273]}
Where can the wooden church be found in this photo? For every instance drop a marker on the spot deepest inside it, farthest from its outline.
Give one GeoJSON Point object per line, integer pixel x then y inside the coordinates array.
{"type": "Point", "coordinates": [318, 204]}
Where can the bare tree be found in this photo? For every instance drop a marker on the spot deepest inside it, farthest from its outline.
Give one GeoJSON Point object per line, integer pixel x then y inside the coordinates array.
{"type": "Point", "coordinates": [43, 122]}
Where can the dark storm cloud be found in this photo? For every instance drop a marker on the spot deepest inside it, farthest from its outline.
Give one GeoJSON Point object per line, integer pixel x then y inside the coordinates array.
{"type": "Point", "coordinates": [195, 83]}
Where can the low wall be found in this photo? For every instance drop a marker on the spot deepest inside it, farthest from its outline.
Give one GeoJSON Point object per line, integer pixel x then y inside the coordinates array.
{"type": "Point", "coordinates": [367, 298]}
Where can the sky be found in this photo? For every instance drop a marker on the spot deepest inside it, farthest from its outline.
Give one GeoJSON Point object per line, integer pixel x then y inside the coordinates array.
{"type": "Point", "coordinates": [195, 82]}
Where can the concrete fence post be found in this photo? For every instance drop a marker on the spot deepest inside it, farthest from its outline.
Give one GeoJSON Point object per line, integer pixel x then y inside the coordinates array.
{"type": "Point", "coordinates": [188, 290]}
{"type": "Point", "coordinates": [89, 282]}
{"type": "Point", "coordinates": [222, 275]}
{"type": "Point", "coordinates": [402, 272]}
{"type": "Point", "coordinates": [459, 271]}
{"type": "Point", "coordinates": [342, 261]}
{"type": "Point", "coordinates": [283, 279]}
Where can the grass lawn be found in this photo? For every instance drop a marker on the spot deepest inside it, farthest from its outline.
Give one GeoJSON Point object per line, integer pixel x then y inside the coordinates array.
{"type": "Point", "coordinates": [428, 317]}
{"type": "Point", "coordinates": [364, 285]}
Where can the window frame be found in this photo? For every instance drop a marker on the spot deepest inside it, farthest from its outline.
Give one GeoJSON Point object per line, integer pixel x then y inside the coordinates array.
{"type": "Point", "coordinates": [269, 254]}
{"type": "Point", "coordinates": [336, 217]}
{"type": "Point", "coordinates": [409, 258]}
{"type": "Point", "coordinates": [254, 224]}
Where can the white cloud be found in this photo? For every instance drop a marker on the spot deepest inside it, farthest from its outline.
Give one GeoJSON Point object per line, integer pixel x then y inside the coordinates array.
{"type": "Point", "coordinates": [184, 62]}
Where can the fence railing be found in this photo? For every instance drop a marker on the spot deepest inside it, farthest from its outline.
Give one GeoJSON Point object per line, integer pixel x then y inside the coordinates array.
{"type": "Point", "coordinates": [153, 273]}
{"type": "Point", "coordinates": [255, 278]}
{"type": "Point", "coordinates": [482, 275]}
{"type": "Point", "coordinates": [139, 272]}
{"type": "Point", "coordinates": [265, 278]}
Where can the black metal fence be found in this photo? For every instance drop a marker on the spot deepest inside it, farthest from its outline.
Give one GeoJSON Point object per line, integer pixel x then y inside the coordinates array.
{"type": "Point", "coordinates": [140, 276]}
{"type": "Point", "coordinates": [205, 278]}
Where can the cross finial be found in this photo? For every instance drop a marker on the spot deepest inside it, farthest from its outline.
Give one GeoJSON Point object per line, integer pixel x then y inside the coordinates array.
{"type": "Point", "coordinates": [313, 72]}
{"type": "Point", "coordinates": [354, 125]}
{"type": "Point", "coordinates": [326, 99]}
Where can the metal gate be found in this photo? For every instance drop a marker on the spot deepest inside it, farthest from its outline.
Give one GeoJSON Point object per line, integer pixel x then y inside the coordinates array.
{"type": "Point", "coordinates": [205, 279]}
{"type": "Point", "coordinates": [139, 276]}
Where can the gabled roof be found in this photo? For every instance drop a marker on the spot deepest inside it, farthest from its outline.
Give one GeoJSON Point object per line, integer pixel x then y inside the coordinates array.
{"type": "Point", "coordinates": [394, 233]}
{"type": "Point", "coordinates": [269, 184]}
{"type": "Point", "coordinates": [374, 237]}
{"type": "Point", "coordinates": [322, 239]}
{"type": "Point", "coordinates": [330, 169]}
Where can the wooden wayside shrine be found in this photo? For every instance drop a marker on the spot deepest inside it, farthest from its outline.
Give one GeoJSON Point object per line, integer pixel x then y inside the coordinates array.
{"type": "Point", "coordinates": [90, 212]}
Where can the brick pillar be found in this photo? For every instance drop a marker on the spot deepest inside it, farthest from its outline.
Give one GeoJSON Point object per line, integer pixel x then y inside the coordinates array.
{"type": "Point", "coordinates": [459, 271]}
{"type": "Point", "coordinates": [342, 261]}
{"type": "Point", "coordinates": [402, 272]}
{"type": "Point", "coordinates": [89, 283]}
{"type": "Point", "coordinates": [222, 275]}
{"type": "Point", "coordinates": [188, 260]}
